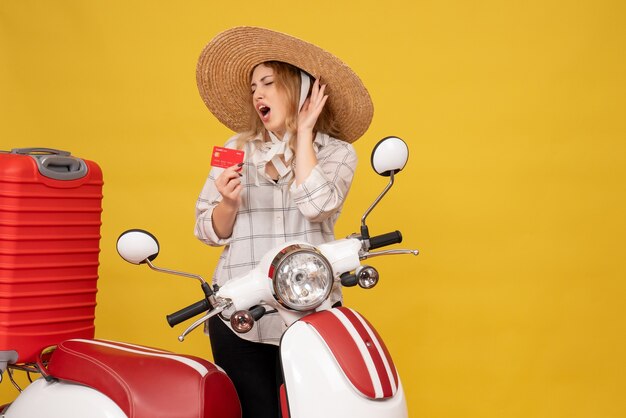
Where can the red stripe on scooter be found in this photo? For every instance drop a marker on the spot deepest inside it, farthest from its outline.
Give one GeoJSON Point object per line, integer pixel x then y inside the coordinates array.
{"type": "Point", "coordinates": [284, 403]}
{"type": "Point", "coordinates": [344, 349]}
{"type": "Point", "coordinates": [373, 351]}
{"type": "Point", "coordinates": [392, 366]}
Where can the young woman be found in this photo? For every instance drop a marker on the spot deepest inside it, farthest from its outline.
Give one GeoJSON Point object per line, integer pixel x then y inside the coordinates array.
{"type": "Point", "coordinates": [297, 109]}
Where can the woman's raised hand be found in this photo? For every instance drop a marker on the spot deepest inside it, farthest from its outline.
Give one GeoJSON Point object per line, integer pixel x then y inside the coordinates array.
{"type": "Point", "coordinates": [312, 107]}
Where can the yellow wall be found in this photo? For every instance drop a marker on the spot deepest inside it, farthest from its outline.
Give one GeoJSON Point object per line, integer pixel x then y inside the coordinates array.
{"type": "Point", "coordinates": [515, 192]}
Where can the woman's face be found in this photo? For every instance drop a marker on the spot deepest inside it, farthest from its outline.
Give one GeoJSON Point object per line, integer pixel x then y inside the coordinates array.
{"type": "Point", "coordinates": [269, 102]}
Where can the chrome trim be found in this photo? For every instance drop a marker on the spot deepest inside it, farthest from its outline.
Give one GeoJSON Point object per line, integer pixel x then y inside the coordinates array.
{"type": "Point", "coordinates": [177, 273]}
{"type": "Point", "coordinates": [200, 321]}
{"type": "Point", "coordinates": [367, 254]}
{"type": "Point", "coordinates": [378, 199]}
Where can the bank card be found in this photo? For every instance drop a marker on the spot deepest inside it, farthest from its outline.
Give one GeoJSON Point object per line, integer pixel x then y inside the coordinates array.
{"type": "Point", "coordinates": [226, 157]}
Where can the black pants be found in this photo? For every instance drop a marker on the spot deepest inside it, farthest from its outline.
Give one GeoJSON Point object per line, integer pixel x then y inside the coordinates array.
{"type": "Point", "coordinates": [253, 367]}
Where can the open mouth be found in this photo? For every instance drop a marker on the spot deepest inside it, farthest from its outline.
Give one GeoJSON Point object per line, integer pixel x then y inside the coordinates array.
{"type": "Point", "coordinates": [264, 111]}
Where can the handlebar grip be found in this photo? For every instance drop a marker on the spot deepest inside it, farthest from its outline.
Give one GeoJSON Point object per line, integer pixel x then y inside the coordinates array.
{"type": "Point", "coordinates": [385, 239]}
{"type": "Point", "coordinates": [188, 312]}
{"type": "Point", "coordinates": [348, 280]}
{"type": "Point", "coordinates": [257, 312]}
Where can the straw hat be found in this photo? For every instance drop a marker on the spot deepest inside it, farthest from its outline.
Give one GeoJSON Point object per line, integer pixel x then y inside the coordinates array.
{"type": "Point", "coordinates": [226, 63]}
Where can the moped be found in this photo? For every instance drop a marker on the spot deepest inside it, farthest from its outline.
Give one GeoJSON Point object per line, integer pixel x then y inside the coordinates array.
{"type": "Point", "coordinates": [334, 362]}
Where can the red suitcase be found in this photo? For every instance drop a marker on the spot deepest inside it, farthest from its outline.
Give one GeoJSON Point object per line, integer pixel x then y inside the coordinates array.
{"type": "Point", "coordinates": [50, 211]}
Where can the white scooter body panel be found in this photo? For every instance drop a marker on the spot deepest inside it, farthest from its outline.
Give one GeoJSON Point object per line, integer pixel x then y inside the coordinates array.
{"type": "Point", "coordinates": [310, 369]}
{"type": "Point", "coordinates": [42, 399]}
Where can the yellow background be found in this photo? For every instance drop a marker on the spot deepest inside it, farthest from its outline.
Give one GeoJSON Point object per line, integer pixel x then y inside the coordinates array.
{"type": "Point", "coordinates": [514, 193]}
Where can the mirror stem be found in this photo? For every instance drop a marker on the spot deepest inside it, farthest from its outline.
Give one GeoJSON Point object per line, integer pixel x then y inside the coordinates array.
{"type": "Point", "coordinates": [178, 273]}
{"type": "Point", "coordinates": [364, 229]}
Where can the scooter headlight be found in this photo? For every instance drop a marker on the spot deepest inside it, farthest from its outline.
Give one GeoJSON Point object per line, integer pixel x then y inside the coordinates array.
{"type": "Point", "coordinates": [302, 277]}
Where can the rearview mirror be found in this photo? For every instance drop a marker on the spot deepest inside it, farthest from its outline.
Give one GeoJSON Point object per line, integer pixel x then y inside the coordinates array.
{"type": "Point", "coordinates": [389, 156]}
{"type": "Point", "coordinates": [136, 246]}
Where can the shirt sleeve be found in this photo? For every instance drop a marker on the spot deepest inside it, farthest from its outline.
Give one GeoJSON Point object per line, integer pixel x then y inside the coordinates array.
{"type": "Point", "coordinates": [206, 203]}
{"type": "Point", "coordinates": [322, 194]}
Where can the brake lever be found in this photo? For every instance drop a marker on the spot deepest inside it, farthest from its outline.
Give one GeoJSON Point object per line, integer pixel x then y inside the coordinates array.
{"type": "Point", "coordinates": [368, 254]}
{"type": "Point", "coordinates": [197, 323]}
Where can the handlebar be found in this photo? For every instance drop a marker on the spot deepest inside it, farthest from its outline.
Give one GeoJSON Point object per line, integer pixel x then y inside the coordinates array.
{"type": "Point", "coordinates": [383, 240]}
{"type": "Point", "coordinates": [188, 312]}
{"type": "Point", "coordinates": [257, 312]}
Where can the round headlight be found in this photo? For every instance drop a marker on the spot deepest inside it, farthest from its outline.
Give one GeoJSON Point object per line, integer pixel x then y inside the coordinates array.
{"type": "Point", "coordinates": [302, 277]}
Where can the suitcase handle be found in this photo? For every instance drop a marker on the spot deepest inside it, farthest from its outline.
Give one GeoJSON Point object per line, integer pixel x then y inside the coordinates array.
{"type": "Point", "coordinates": [55, 164]}
{"type": "Point", "coordinates": [26, 151]}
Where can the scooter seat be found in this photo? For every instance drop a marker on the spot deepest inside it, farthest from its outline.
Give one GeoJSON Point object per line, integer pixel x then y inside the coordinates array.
{"type": "Point", "coordinates": [146, 382]}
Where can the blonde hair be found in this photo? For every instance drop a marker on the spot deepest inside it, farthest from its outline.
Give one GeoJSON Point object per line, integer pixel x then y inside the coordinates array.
{"type": "Point", "coordinates": [287, 79]}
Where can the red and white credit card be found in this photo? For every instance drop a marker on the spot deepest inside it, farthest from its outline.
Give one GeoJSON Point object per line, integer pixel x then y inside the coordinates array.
{"type": "Point", "coordinates": [226, 157]}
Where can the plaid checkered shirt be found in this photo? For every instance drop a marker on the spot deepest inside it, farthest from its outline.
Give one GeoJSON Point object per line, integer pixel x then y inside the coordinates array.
{"type": "Point", "coordinates": [274, 212]}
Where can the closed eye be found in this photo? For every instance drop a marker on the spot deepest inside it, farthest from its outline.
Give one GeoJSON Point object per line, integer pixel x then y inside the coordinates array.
{"type": "Point", "coordinates": [266, 81]}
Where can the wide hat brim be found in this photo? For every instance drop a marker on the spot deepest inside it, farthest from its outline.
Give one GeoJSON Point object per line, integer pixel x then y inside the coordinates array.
{"type": "Point", "coordinates": [226, 63]}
